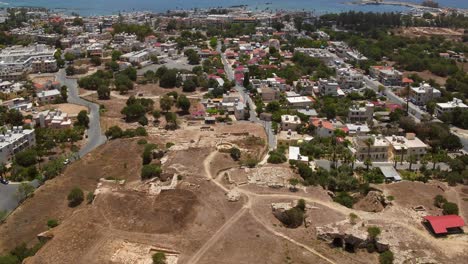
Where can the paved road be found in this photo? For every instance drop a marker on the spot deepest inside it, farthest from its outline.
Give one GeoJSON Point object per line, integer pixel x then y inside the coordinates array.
{"type": "Point", "coordinates": [414, 110]}
{"type": "Point", "coordinates": [95, 136]}
{"type": "Point", "coordinates": [246, 99]}
{"type": "Point", "coordinates": [8, 195]}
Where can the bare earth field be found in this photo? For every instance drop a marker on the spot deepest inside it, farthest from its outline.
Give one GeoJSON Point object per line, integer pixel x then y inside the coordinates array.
{"type": "Point", "coordinates": [193, 221]}
{"type": "Point", "coordinates": [426, 75]}
{"type": "Point", "coordinates": [71, 109]}
{"type": "Point", "coordinates": [412, 32]}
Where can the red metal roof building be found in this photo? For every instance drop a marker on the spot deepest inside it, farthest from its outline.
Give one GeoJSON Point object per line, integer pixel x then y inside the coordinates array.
{"type": "Point", "coordinates": [442, 224]}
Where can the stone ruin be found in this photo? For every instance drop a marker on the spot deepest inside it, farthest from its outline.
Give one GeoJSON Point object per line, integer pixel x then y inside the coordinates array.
{"type": "Point", "coordinates": [349, 237]}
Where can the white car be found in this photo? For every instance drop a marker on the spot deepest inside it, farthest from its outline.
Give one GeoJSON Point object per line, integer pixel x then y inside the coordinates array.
{"type": "Point", "coordinates": [66, 162]}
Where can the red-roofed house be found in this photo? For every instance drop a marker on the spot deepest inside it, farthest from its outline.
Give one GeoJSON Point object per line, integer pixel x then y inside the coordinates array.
{"type": "Point", "coordinates": [407, 81]}
{"type": "Point", "coordinates": [445, 224]}
{"type": "Point", "coordinates": [323, 127]}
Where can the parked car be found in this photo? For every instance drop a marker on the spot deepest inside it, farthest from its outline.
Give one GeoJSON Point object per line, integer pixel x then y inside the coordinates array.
{"type": "Point", "coordinates": [4, 181]}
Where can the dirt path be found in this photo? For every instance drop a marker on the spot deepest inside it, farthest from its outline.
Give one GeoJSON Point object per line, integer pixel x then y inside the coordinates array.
{"type": "Point", "coordinates": [247, 207]}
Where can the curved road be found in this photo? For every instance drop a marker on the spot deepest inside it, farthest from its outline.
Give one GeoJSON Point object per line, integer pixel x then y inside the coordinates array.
{"type": "Point", "coordinates": [95, 137]}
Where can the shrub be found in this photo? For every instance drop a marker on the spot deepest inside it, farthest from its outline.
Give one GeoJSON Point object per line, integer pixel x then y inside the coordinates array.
{"type": "Point", "coordinates": [293, 217]}
{"type": "Point", "coordinates": [75, 197]}
{"type": "Point", "coordinates": [352, 218]}
{"type": "Point", "coordinates": [344, 199]}
{"type": "Point", "coordinates": [301, 204]}
{"type": "Point", "coordinates": [439, 201]}
{"type": "Point", "coordinates": [147, 155]}
{"type": "Point", "coordinates": [450, 208]}
{"type": "Point", "coordinates": [142, 141]}
{"type": "Point", "coordinates": [150, 171]}
{"type": "Point", "coordinates": [235, 154]}
{"type": "Point", "coordinates": [386, 257]}
{"type": "Point", "coordinates": [159, 258]}
{"type": "Point", "coordinates": [373, 232]}
{"type": "Point", "coordinates": [51, 223]}
{"type": "Point", "coordinates": [90, 197]}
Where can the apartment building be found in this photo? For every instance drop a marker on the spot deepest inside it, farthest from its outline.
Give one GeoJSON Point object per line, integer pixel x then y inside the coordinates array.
{"type": "Point", "coordinates": [387, 75]}
{"type": "Point", "coordinates": [14, 141]}
{"type": "Point", "coordinates": [423, 94]}
{"type": "Point", "coordinates": [329, 87]}
{"type": "Point", "coordinates": [349, 78]}
{"type": "Point", "coordinates": [442, 108]}
{"type": "Point", "coordinates": [404, 147]}
{"type": "Point", "coordinates": [358, 114]}
{"type": "Point", "coordinates": [376, 148]}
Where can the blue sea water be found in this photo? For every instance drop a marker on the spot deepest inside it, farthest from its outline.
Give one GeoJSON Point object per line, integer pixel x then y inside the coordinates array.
{"type": "Point", "coordinates": [106, 7]}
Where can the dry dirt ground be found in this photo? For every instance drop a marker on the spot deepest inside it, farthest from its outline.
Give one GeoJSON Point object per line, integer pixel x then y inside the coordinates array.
{"type": "Point", "coordinates": [71, 109]}
{"type": "Point", "coordinates": [412, 32]}
{"type": "Point", "coordinates": [426, 75]}
{"type": "Point", "coordinates": [196, 223]}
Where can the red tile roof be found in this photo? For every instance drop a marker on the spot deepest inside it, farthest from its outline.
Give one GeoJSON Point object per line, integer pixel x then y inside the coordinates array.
{"type": "Point", "coordinates": [317, 122]}
{"type": "Point", "coordinates": [440, 223]}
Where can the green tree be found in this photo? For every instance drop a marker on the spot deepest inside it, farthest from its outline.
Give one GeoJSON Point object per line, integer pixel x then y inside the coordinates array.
{"type": "Point", "coordinates": [69, 56]}
{"type": "Point", "coordinates": [189, 86]}
{"type": "Point", "coordinates": [103, 92]}
{"type": "Point", "coordinates": [116, 55]}
{"type": "Point", "coordinates": [26, 158]}
{"type": "Point", "coordinates": [183, 103]}
{"type": "Point", "coordinates": [83, 119]}
{"type": "Point", "coordinates": [168, 79]}
{"type": "Point", "coordinates": [450, 208]}
{"type": "Point", "coordinates": [439, 201]}
{"type": "Point", "coordinates": [75, 197]}
{"type": "Point", "coordinates": [150, 171]}
{"type": "Point", "coordinates": [246, 81]}
{"type": "Point", "coordinates": [24, 191]}
{"type": "Point", "coordinates": [166, 103]}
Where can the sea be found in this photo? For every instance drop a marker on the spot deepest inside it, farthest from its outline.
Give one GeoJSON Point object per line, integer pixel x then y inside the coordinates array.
{"type": "Point", "coordinates": [109, 7]}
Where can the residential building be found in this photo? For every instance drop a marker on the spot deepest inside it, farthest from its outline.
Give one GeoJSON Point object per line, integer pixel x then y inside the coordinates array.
{"type": "Point", "coordinates": [47, 97]}
{"type": "Point", "coordinates": [290, 137]}
{"type": "Point", "coordinates": [387, 75]}
{"type": "Point", "coordinates": [442, 108]}
{"type": "Point", "coordinates": [349, 78]}
{"type": "Point", "coordinates": [323, 127]}
{"type": "Point", "coordinates": [404, 147]}
{"type": "Point", "coordinates": [239, 110]}
{"type": "Point", "coordinates": [290, 122]}
{"type": "Point", "coordinates": [423, 94]}
{"type": "Point", "coordinates": [329, 87]}
{"type": "Point", "coordinates": [53, 119]}
{"type": "Point", "coordinates": [299, 102]}
{"type": "Point", "coordinates": [268, 94]}
{"type": "Point", "coordinates": [14, 141]}
{"type": "Point", "coordinates": [376, 148]}
{"type": "Point", "coordinates": [358, 114]}
{"type": "Point", "coordinates": [357, 130]}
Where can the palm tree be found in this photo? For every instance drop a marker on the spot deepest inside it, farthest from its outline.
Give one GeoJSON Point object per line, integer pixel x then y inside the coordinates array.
{"type": "Point", "coordinates": [411, 159]}
{"type": "Point", "coordinates": [368, 163]}
{"type": "Point", "coordinates": [369, 142]}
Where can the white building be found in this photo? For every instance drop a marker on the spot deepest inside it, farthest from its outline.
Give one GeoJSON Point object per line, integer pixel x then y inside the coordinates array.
{"type": "Point", "coordinates": [330, 87]}
{"type": "Point", "coordinates": [376, 148]}
{"type": "Point", "coordinates": [424, 93]}
{"type": "Point", "coordinates": [407, 146]}
{"type": "Point", "coordinates": [47, 97]}
{"type": "Point", "coordinates": [295, 154]}
{"type": "Point", "coordinates": [299, 101]}
{"type": "Point", "coordinates": [442, 108]}
{"type": "Point", "coordinates": [349, 78]}
{"type": "Point", "coordinates": [290, 122]}
{"type": "Point", "coordinates": [15, 141]}
{"type": "Point", "coordinates": [16, 60]}
{"type": "Point", "coordinates": [53, 119]}
{"type": "Point", "coordinates": [239, 111]}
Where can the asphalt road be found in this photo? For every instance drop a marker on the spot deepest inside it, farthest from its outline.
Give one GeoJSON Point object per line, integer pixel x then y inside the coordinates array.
{"type": "Point", "coordinates": [8, 195]}
{"type": "Point", "coordinates": [246, 99]}
{"type": "Point", "coordinates": [95, 137]}
{"type": "Point", "coordinates": [414, 110]}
